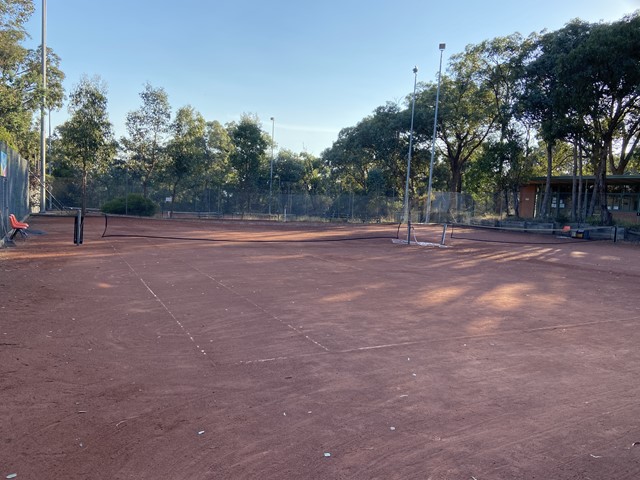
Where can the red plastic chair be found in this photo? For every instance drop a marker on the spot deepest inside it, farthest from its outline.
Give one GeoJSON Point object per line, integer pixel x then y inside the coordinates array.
{"type": "Point", "coordinates": [18, 227]}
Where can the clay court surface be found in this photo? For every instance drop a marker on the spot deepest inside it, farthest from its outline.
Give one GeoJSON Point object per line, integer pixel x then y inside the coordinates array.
{"type": "Point", "coordinates": [166, 358]}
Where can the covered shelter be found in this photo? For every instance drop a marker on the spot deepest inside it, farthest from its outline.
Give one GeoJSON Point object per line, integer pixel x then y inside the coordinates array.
{"type": "Point", "coordinates": [623, 196]}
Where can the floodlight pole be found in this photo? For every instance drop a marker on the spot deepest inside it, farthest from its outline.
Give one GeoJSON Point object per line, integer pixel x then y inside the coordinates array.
{"type": "Point", "coordinates": [49, 164]}
{"type": "Point", "coordinates": [273, 128]}
{"type": "Point", "coordinates": [43, 145]}
{"type": "Point", "coordinates": [433, 140]}
{"type": "Point", "coordinates": [406, 188]}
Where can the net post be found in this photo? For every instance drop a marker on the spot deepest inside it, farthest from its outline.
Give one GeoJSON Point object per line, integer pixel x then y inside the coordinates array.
{"type": "Point", "coordinates": [77, 231]}
{"type": "Point", "coordinates": [444, 234]}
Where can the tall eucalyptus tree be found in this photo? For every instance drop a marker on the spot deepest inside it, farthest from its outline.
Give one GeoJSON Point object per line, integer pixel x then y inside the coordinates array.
{"type": "Point", "coordinates": [186, 151]}
{"type": "Point", "coordinates": [86, 139]}
{"type": "Point", "coordinates": [148, 129]}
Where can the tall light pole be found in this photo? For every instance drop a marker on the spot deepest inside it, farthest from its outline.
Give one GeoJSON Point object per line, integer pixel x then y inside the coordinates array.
{"type": "Point", "coordinates": [49, 164]}
{"type": "Point", "coordinates": [406, 188]}
{"type": "Point", "coordinates": [273, 129]}
{"type": "Point", "coordinates": [433, 140]}
{"type": "Point", "coordinates": [43, 145]}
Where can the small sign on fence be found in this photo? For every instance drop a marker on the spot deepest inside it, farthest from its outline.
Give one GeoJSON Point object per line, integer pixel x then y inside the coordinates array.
{"type": "Point", "coordinates": [4, 161]}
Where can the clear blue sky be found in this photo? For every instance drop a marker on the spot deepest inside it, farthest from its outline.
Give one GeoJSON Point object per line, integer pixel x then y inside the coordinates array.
{"type": "Point", "coordinates": [316, 67]}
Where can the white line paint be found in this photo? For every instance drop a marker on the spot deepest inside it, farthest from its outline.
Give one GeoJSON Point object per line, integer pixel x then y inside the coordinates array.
{"type": "Point", "coordinates": [166, 308]}
{"type": "Point", "coordinates": [261, 308]}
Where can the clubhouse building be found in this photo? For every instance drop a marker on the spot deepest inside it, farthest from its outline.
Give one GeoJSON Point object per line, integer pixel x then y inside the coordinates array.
{"type": "Point", "coordinates": [623, 196]}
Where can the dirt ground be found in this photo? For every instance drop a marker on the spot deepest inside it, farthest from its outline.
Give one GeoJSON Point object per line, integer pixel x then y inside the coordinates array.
{"type": "Point", "coordinates": [163, 358]}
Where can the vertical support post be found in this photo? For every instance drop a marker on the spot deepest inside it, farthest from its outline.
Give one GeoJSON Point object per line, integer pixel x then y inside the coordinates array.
{"type": "Point", "coordinates": [43, 145]}
{"type": "Point", "coordinates": [273, 129]}
{"type": "Point", "coordinates": [407, 213]}
{"type": "Point", "coordinates": [444, 234]}
{"type": "Point", "coordinates": [427, 217]}
{"type": "Point", "coordinates": [78, 228]}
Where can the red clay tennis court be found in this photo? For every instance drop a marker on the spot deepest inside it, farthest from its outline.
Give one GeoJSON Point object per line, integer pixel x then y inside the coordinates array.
{"type": "Point", "coordinates": [238, 350]}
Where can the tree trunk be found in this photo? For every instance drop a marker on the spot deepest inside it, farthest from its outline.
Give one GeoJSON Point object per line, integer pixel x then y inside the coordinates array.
{"type": "Point", "coordinates": [455, 186]}
{"type": "Point", "coordinates": [547, 187]}
{"type": "Point", "coordinates": [580, 185]}
{"type": "Point", "coordinates": [574, 186]}
{"type": "Point", "coordinates": [173, 198]}
{"type": "Point", "coordinates": [601, 193]}
{"type": "Point", "coordinates": [83, 207]}
{"type": "Point", "coordinates": [506, 201]}
{"type": "Point", "coordinates": [456, 178]}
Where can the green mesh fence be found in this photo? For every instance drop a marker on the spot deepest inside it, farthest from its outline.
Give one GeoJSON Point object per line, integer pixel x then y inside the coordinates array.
{"type": "Point", "coordinates": [14, 187]}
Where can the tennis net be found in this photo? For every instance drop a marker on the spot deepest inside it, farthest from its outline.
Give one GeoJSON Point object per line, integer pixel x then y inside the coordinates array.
{"type": "Point", "coordinates": [213, 230]}
{"type": "Point", "coordinates": [530, 233]}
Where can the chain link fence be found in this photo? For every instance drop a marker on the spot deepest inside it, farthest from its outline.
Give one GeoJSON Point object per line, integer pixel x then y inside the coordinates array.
{"type": "Point", "coordinates": [230, 202]}
{"type": "Point", "coordinates": [14, 187]}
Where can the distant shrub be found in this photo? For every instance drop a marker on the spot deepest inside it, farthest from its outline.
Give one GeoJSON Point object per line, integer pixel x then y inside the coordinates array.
{"type": "Point", "coordinates": [133, 204]}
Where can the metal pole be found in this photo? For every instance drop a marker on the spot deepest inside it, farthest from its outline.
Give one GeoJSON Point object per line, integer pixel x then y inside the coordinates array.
{"type": "Point", "coordinates": [126, 191]}
{"type": "Point", "coordinates": [406, 188]}
{"type": "Point", "coordinates": [433, 141]}
{"type": "Point", "coordinates": [273, 129]}
{"type": "Point", "coordinates": [50, 167]}
{"type": "Point", "coordinates": [43, 146]}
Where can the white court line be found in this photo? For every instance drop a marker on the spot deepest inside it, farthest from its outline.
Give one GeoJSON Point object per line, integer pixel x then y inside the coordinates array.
{"type": "Point", "coordinates": [159, 300]}
{"type": "Point", "coordinates": [357, 349]}
{"type": "Point", "coordinates": [444, 339]}
{"type": "Point", "coordinates": [277, 359]}
{"type": "Point", "coordinates": [261, 308]}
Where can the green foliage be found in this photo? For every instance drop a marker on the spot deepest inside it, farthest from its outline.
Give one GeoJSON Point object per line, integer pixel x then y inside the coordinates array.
{"type": "Point", "coordinates": [248, 158]}
{"type": "Point", "coordinates": [186, 150]}
{"type": "Point", "coordinates": [86, 139]}
{"type": "Point", "coordinates": [582, 84]}
{"type": "Point", "coordinates": [148, 129]}
{"type": "Point", "coordinates": [132, 204]}
{"type": "Point", "coordinates": [289, 171]}
{"type": "Point", "coordinates": [467, 114]}
{"type": "Point", "coordinates": [21, 83]}
{"type": "Point", "coordinates": [510, 108]}
{"type": "Point", "coordinates": [7, 137]}
{"type": "Point", "coordinates": [219, 148]}
{"type": "Point", "coordinates": [379, 143]}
